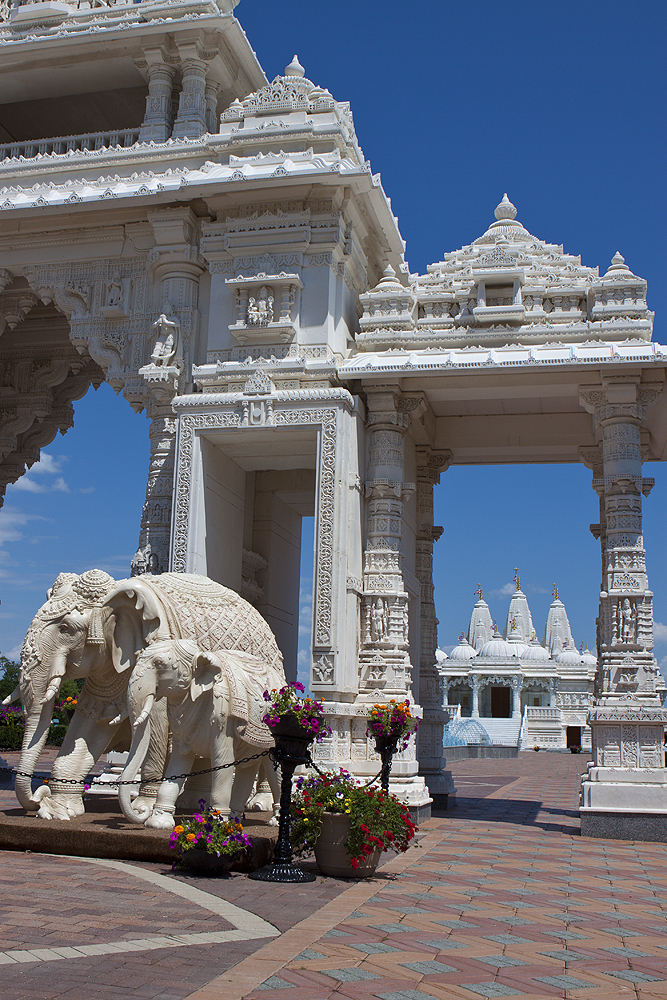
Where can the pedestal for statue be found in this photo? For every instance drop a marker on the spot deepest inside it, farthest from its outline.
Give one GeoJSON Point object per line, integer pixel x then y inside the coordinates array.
{"type": "Point", "coordinates": [624, 792]}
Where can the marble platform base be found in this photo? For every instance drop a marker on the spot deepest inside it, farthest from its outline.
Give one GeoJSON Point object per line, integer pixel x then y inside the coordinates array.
{"type": "Point", "coordinates": [624, 826]}
{"type": "Point", "coordinates": [623, 803]}
{"type": "Point", "coordinates": [442, 790]}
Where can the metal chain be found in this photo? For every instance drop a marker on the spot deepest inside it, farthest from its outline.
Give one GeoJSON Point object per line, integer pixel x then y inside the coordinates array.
{"type": "Point", "coordinates": [323, 774]}
{"type": "Point", "coordinates": [170, 777]}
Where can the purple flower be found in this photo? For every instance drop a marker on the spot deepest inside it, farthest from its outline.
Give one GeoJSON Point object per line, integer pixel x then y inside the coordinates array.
{"type": "Point", "coordinates": [299, 687]}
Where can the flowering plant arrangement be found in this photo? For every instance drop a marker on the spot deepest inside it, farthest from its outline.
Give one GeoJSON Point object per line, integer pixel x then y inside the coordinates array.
{"type": "Point", "coordinates": [288, 701]}
{"type": "Point", "coordinates": [392, 720]}
{"type": "Point", "coordinates": [12, 716]}
{"type": "Point", "coordinates": [378, 821]}
{"type": "Point", "coordinates": [209, 831]}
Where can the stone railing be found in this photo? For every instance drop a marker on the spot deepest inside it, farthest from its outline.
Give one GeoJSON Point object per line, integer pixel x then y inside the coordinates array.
{"type": "Point", "coordinates": [542, 715]}
{"type": "Point", "coordinates": [63, 144]}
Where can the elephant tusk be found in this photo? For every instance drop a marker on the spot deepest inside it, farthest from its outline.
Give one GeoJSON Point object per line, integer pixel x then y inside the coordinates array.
{"type": "Point", "coordinates": [119, 718]}
{"type": "Point", "coordinates": [51, 693]}
{"type": "Point", "coordinates": [146, 711]}
{"type": "Point", "coordinates": [14, 696]}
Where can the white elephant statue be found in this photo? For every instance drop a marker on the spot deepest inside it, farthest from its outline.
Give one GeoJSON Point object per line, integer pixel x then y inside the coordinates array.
{"type": "Point", "coordinates": [94, 627]}
{"type": "Point", "coordinates": [214, 708]}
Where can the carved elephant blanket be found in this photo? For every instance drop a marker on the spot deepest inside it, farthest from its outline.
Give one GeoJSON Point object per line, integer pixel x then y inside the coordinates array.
{"type": "Point", "coordinates": [247, 679]}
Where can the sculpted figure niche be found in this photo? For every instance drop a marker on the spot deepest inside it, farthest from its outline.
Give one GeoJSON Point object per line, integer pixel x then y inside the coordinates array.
{"type": "Point", "coordinates": [167, 330]}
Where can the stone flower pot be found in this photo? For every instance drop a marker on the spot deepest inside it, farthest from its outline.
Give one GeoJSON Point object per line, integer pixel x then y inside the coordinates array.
{"type": "Point", "coordinates": [330, 851]}
{"type": "Point", "coordinates": [205, 863]}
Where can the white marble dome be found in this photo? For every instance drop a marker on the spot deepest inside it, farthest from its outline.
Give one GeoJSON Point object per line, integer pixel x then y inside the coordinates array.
{"type": "Point", "coordinates": [569, 656]}
{"type": "Point", "coordinates": [535, 653]}
{"type": "Point", "coordinates": [464, 651]}
{"type": "Point", "coordinates": [498, 649]}
{"type": "Point", "coordinates": [589, 658]}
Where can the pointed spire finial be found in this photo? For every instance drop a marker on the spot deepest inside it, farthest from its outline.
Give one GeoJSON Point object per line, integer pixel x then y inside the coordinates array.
{"type": "Point", "coordinates": [505, 210]}
{"type": "Point", "coordinates": [479, 592]}
{"type": "Point", "coordinates": [554, 592]}
{"type": "Point", "coordinates": [295, 68]}
{"type": "Point", "coordinates": [517, 578]}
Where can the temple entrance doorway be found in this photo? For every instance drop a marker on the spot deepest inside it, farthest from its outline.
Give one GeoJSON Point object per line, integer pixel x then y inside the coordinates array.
{"type": "Point", "coordinates": [500, 703]}
{"type": "Point", "coordinates": [573, 736]}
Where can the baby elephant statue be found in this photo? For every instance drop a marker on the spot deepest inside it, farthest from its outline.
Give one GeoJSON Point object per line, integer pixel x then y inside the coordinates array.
{"type": "Point", "coordinates": [214, 708]}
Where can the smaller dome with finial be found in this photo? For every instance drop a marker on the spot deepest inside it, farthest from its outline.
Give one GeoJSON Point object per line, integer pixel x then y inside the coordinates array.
{"type": "Point", "coordinates": [618, 265]}
{"type": "Point", "coordinates": [498, 649]}
{"type": "Point", "coordinates": [505, 210]}
{"type": "Point", "coordinates": [388, 279]}
{"type": "Point", "coordinates": [295, 68]}
{"type": "Point", "coordinates": [589, 658]}
{"type": "Point", "coordinates": [536, 653]}
{"type": "Point", "coordinates": [464, 651]}
{"type": "Point", "coordinates": [569, 657]}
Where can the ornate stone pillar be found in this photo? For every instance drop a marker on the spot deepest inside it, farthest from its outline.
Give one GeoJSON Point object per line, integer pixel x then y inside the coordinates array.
{"type": "Point", "coordinates": [158, 120]}
{"type": "Point", "coordinates": [384, 659]}
{"type": "Point", "coordinates": [624, 792]}
{"type": "Point", "coordinates": [517, 684]}
{"type": "Point", "coordinates": [152, 555]}
{"type": "Point", "coordinates": [429, 739]}
{"type": "Point", "coordinates": [625, 623]}
{"type": "Point", "coordinates": [191, 118]}
{"type": "Point", "coordinates": [211, 99]}
{"type": "Point", "coordinates": [474, 684]}
{"type": "Point", "coordinates": [553, 684]}
{"type": "Point", "coordinates": [177, 268]}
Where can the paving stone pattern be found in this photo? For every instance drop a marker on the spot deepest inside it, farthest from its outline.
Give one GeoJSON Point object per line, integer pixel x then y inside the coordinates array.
{"type": "Point", "coordinates": [505, 900]}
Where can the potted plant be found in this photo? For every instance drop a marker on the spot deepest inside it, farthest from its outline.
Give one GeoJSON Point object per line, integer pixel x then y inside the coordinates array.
{"type": "Point", "coordinates": [289, 714]}
{"type": "Point", "coordinates": [207, 841]}
{"type": "Point", "coordinates": [294, 722]}
{"type": "Point", "coordinates": [391, 724]}
{"type": "Point", "coordinates": [347, 824]}
{"type": "Point", "coordinates": [575, 748]}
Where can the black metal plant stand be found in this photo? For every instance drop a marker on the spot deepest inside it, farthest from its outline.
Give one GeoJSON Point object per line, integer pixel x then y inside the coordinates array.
{"type": "Point", "coordinates": [292, 743]}
{"type": "Point", "coordinates": [386, 746]}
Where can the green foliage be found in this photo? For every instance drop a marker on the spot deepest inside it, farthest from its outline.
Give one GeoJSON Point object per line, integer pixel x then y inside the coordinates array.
{"type": "Point", "coordinates": [378, 821]}
{"type": "Point", "coordinates": [10, 676]}
{"type": "Point", "coordinates": [56, 735]}
{"type": "Point", "coordinates": [11, 737]}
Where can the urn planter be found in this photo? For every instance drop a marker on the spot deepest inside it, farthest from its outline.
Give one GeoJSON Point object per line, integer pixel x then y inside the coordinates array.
{"type": "Point", "coordinates": [331, 853]}
{"type": "Point", "coordinates": [205, 863]}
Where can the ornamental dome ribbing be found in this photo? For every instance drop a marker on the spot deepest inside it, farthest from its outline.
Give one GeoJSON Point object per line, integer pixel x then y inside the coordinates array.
{"type": "Point", "coordinates": [535, 653]}
{"type": "Point", "coordinates": [464, 651]}
{"type": "Point", "coordinates": [570, 657]}
{"type": "Point", "coordinates": [498, 649]}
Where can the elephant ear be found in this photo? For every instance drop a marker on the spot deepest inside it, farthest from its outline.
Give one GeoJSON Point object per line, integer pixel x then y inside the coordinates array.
{"type": "Point", "coordinates": [206, 671]}
{"type": "Point", "coordinates": [136, 618]}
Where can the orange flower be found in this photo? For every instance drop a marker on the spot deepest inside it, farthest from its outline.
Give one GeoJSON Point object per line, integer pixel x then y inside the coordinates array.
{"type": "Point", "coordinates": [178, 829]}
{"type": "Point", "coordinates": [190, 836]}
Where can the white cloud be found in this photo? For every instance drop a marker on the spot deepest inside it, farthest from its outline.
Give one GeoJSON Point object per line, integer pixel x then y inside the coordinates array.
{"type": "Point", "coordinates": [48, 465]}
{"type": "Point", "coordinates": [303, 668]}
{"type": "Point", "coordinates": [659, 633]}
{"type": "Point", "coordinates": [505, 591]}
{"type": "Point", "coordinates": [11, 520]}
{"type": "Point", "coordinates": [51, 465]}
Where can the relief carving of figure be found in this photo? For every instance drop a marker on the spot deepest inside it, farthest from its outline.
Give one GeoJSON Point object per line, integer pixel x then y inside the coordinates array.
{"type": "Point", "coordinates": [115, 291]}
{"type": "Point", "coordinates": [168, 336]}
{"type": "Point", "coordinates": [378, 621]}
{"type": "Point", "coordinates": [627, 621]}
{"type": "Point", "coordinates": [260, 309]}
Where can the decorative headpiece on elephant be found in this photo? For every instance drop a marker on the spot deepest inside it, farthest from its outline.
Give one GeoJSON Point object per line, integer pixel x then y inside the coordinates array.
{"type": "Point", "coordinates": [214, 707]}
{"type": "Point", "coordinates": [93, 627]}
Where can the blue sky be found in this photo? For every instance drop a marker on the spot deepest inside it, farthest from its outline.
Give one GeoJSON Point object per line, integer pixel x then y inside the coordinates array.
{"type": "Point", "coordinates": [562, 106]}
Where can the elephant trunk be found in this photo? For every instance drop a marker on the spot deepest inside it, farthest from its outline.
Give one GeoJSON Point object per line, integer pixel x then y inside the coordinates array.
{"type": "Point", "coordinates": [141, 696]}
{"type": "Point", "coordinates": [34, 738]}
{"type": "Point", "coordinates": [37, 724]}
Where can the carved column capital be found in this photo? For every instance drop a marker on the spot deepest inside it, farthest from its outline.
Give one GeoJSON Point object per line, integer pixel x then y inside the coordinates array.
{"type": "Point", "coordinates": [431, 463]}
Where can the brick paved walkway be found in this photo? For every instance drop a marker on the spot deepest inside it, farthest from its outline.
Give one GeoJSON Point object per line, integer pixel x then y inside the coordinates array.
{"type": "Point", "coordinates": [501, 899]}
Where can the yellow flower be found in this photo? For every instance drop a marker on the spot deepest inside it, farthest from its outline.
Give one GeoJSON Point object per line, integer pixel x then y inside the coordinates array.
{"type": "Point", "coordinates": [190, 836]}
{"type": "Point", "coordinates": [305, 819]}
{"type": "Point", "coordinates": [178, 829]}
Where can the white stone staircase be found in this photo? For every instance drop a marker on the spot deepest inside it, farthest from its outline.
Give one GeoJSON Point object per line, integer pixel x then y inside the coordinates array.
{"type": "Point", "coordinates": [502, 732]}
